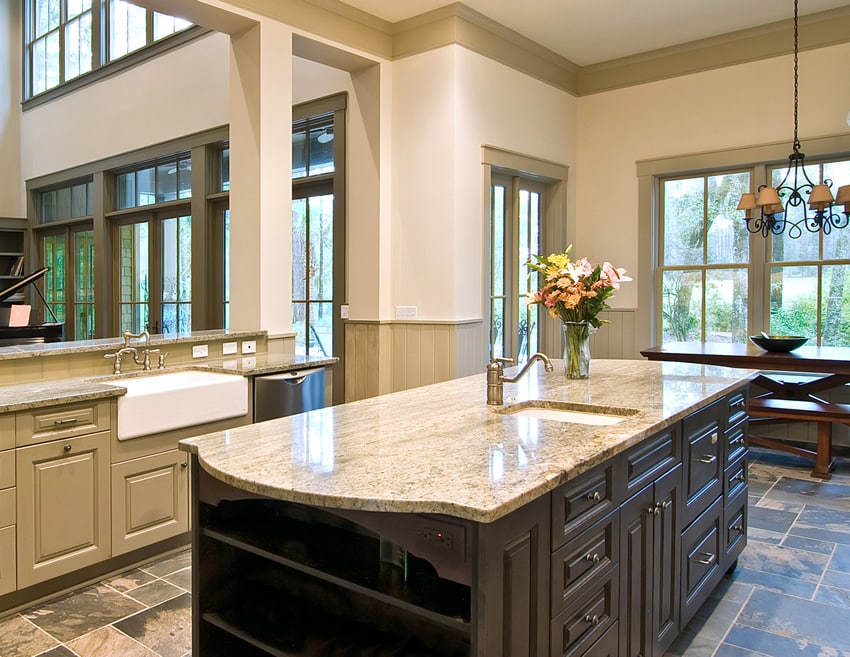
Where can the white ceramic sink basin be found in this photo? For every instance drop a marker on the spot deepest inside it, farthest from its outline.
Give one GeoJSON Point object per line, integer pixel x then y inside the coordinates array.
{"type": "Point", "coordinates": [573, 413]}
{"type": "Point", "coordinates": [164, 402]}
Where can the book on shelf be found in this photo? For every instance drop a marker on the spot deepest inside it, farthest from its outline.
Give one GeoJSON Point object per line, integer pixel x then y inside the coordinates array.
{"type": "Point", "coordinates": [15, 266]}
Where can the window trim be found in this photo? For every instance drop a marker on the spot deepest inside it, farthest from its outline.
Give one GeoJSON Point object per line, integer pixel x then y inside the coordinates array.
{"type": "Point", "coordinates": [758, 159]}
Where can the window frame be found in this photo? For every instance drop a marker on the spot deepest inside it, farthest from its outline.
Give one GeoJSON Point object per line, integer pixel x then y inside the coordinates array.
{"type": "Point", "coordinates": [758, 159]}
{"type": "Point", "coordinates": [101, 66]}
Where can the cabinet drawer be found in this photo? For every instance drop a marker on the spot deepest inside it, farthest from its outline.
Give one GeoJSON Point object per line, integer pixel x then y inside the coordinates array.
{"type": "Point", "coordinates": [737, 407]}
{"type": "Point", "coordinates": [7, 468]}
{"type": "Point", "coordinates": [735, 478]}
{"type": "Point", "coordinates": [586, 619]}
{"type": "Point", "coordinates": [645, 462]}
{"type": "Point", "coordinates": [7, 431]}
{"type": "Point", "coordinates": [578, 504]}
{"type": "Point", "coordinates": [8, 576]}
{"type": "Point", "coordinates": [735, 531]}
{"type": "Point", "coordinates": [607, 646]}
{"type": "Point", "coordinates": [736, 442]}
{"type": "Point", "coordinates": [7, 507]}
{"type": "Point", "coordinates": [582, 559]}
{"type": "Point", "coordinates": [703, 470]}
{"type": "Point", "coordinates": [701, 554]}
{"type": "Point", "coordinates": [56, 422]}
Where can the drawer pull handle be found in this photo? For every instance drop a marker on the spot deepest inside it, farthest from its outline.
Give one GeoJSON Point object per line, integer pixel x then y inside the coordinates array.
{"type": "Point", "coordinates": [714, 437]}
{"type": "Point", "coordinates": [594, 497]}
{"type": "Point", "coordinates": [67, 420]}
{"type": "Point", "coordinates": [736, 441]}
{"type": "Point", "coordinates": [67, 448]}
{"type": "Point", "coordinates": [593, 620]}
{"type": "Point", "coordinates": [708, 458]}
{"type": "Point", "coordinates": [709, 559]}
{"type": "Point", "coordinates": [740, 406]}
{"type": "Point", "coordinates": [592, 557]}
{"type": "Point", "coordinates": [738, 477]}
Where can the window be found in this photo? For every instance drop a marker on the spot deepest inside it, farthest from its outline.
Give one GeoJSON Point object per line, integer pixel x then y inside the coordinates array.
{"type": "Point", "coordinates": [66, 244]}
{"type": "Point", "coordinates": [63, 37]}
{"type": "Point", "coordinates": [809, 277]}
{"type": "Point", "coordinates": [716, 283]}
{"type": "Point", "coordinates": [705, 259]}
{"type": "Point", "coordinates": [158, 183]}
{"type": "Point", "coordinates": [516, 227]}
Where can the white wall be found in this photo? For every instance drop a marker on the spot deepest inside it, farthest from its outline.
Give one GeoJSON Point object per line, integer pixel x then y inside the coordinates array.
{"type": "Point", "coordinates": [447, 103]}
{"type": "Point", "coordinates": [11, 188]}
{"type": "Point", "coordinates": [709, 111]}
{"type": "Point", "coordinates": [163, 98]}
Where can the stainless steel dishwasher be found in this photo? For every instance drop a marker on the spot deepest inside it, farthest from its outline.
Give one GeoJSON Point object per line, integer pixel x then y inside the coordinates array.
{"type": "Point", "coordinates": [288, 393]}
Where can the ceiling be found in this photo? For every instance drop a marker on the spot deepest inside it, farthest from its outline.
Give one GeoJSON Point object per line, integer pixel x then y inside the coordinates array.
{"type": "Point", "coordinates": [592, 31]}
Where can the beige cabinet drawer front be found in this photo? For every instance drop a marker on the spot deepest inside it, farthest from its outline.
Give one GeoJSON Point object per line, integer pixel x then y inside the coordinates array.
{"type": "Point", "coordinates": [150, 500]}
{"type": "Point", "coordinates": [7, 468]}
{"type": "Point", "coordinates": [59, 422]}
{"type": "Point", "coordinates": [7, 431]}
{"type": "Point", "coordinates": [8, 576]}
{"type": "Point", "coordinates": [7, 507]}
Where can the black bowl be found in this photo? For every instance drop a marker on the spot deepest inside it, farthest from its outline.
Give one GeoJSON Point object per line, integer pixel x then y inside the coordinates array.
{"type": "Point", "coordinates": [778, 342]}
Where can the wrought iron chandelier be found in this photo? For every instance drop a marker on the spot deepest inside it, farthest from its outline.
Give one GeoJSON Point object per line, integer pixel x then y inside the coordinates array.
{"type": "Point", "coordinates": [775, 204]}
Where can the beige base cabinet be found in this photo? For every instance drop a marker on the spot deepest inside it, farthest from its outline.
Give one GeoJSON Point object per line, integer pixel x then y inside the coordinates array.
{"type": "Point", "coordinates": [8, 576]}
{"type": "Point", "coordinates": [150, 500]}
{"type": "Point", "coordinates": [62, 507]}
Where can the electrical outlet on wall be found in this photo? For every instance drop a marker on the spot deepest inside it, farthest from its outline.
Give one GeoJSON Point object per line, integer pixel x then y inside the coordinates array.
{"type": "Point", "coordinates": [200, 351]}
{"type": "Point", "coordinates": [249, 347]}
{"type": "Point", "coordinates": [228, 348]}
{"type": "Point", "coordinates": [405, 312]}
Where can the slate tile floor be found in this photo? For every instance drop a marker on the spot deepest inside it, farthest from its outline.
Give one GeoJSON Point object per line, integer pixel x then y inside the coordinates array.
{"type": "Point", "coordinates": [790, 594]}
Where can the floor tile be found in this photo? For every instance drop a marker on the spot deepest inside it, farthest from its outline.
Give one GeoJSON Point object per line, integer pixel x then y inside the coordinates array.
{"type": "Point", "coordinates": [775, 583]}
{"type": "Point", "coordinates": [825, 524]}
{"type": "Point", "coordinates": [20, 638]}
{"type": "Point", "coordinates": [726, 650]}
{"type": "Point", "coordinates": [170, 564]}
{"type": "Point", "coordinates": [771, 519]}
{"type": "Point", "coordinates": [166, 629]}
{"type": "Point", "coordinates": [81, 612]}
{"type": "Point", "coordinates": [182, 578]}
{"type": "Point", "coordinates": [764, 535]}
{"type": "Point", "coordinates": [778, 505]}
{"type": "Point", "coordinates": [130, 580]}
{"type": "Point", "coordinates": [824, 494]}
{"type": "Point", "coordinates": [157, 591]}
{"type": "Point", "coordinates": [836, 578]}
{"type": "Point", "coordinates": [833, 596]}
{"type": "Point", "coordinates": [788, 562]}
{"type": "Point", "coordinates": [809, 544]}
{"type": "Point", "coordinates": [802, 620]}
{"type": "Point", "coordinates": [109, 642]}
{"type": "Point", "coordinates": [769, 643]}
{"type": "Point", "coordinates": [841, 559]}
{"type": "Point", "coordinates": [58, 651]}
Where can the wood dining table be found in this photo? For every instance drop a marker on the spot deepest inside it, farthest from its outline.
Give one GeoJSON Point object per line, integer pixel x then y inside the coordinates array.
{"type": "Point", "coordinates": [789, 395]}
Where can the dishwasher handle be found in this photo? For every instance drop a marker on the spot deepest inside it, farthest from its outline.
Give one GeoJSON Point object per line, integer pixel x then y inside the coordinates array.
{"type": "Point", "coordinates": [292, 378]}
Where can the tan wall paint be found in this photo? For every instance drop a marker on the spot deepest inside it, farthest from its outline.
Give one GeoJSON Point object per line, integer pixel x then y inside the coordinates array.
{"type": "Point", "coordinates": [12, 203]}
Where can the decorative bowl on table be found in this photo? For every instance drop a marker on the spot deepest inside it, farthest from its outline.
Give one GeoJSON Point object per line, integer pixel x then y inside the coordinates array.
{"type": "Point", "coordinates": [782, 343]}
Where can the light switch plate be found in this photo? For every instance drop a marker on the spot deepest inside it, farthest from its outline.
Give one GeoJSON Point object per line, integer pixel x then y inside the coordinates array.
{"type": "Point", "coordinates": [249, 347]}
{"type": "Point", "coordinates": [343, 311]}
{"type": "Point", "coordinates": [229, 348]}
{"type": "Point", "coordinates": [405, 312]}
{"type": "Point", "coordinates": [200, 351]}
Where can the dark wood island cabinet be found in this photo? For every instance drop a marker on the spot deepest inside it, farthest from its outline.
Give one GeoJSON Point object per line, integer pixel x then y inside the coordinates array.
{"type": "Point", "coordinates": [611, 562]}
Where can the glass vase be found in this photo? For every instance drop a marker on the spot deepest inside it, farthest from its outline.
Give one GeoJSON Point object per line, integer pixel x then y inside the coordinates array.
{"type": "Point", "coordinates": [577, 349]}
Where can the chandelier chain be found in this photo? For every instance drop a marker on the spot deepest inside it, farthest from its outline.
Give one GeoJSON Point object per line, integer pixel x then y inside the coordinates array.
{"type": "Point", "coordinates": [796, 70]}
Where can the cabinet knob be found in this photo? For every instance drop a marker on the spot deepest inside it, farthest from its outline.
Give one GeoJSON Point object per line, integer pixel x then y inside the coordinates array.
{"type": "Point", "coordinates": [184, 465]}
{"type": "Point", "coordinates": [67, 448]}
{"type": "Point", "coordinates": [593, 620]}
{"type": "Point", "coordinates": [592, 557]}
{"type": "Point", "coordinates": [739, 528]}
{"type": "Point", "coordinates": [738, 477]}
{"type": "Point", "coordinates": [594, 497]}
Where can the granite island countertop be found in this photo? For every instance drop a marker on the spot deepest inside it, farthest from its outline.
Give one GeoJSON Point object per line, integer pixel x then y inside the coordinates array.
{"type": "Point", "coordinates": [441, 449]}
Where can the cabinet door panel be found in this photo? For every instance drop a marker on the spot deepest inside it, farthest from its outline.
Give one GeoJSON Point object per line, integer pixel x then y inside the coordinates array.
{"type": "Point", "coordinates": [150, 500]}
{"type": "Point", "coordinates": [7, 560]}
{"type": "Point", "coordinates": [63, 506]}
{"type": "Point", "coordinates": [636, 563]}
{"type": "Point", "coordinates": [667, 555]}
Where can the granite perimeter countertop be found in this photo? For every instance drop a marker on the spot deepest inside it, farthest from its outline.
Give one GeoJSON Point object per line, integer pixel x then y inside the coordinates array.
{"type": "Point", "coordinates": [441, 449]}
{"type": "Point", "coordinates": [26, 396]}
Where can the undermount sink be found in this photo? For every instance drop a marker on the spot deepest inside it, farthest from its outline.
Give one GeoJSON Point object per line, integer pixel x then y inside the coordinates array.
{"type": "Point", "coordinates": [174, 400]}
{"type": "Point", "coordinates": [571, 412]}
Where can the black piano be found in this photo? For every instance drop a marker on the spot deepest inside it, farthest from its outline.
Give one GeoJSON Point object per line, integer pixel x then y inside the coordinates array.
{"type": "Point", "coordinates": [48, 332]}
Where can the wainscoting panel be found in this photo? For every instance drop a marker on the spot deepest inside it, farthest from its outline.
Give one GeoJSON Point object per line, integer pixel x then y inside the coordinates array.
{"type": "Point", "coordinates": [616, 339]}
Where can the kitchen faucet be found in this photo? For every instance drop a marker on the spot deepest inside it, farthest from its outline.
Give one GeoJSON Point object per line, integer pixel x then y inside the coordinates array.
{"type": "Point", "coordinates": [496, 376]}
{"type": "Point", "coordinates": [145, 360]}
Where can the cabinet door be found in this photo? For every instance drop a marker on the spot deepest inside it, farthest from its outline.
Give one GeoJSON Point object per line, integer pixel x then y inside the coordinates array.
{"type": "Point", "coordinates": [63, 506]}
{"type": "Point", "coordinates": [7, 560]}
{"type": "Point", "coordinates": [636, 562]}
{"type": "Point", "coordinates": [666, 569]}
{"type": "Point", "coordinates": [150, 500]}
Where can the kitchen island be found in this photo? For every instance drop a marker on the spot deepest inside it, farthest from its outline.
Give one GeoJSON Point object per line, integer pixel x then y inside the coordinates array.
{"type": "Point", "coordinates": [427, 523]}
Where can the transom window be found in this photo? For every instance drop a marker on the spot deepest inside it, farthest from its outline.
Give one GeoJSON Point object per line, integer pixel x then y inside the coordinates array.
{"type": "Point", "coordinates": [63, 37]}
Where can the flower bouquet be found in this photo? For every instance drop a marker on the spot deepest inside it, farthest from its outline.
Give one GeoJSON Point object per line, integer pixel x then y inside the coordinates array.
{"type": "Point", "coordinates": [575, 292]}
